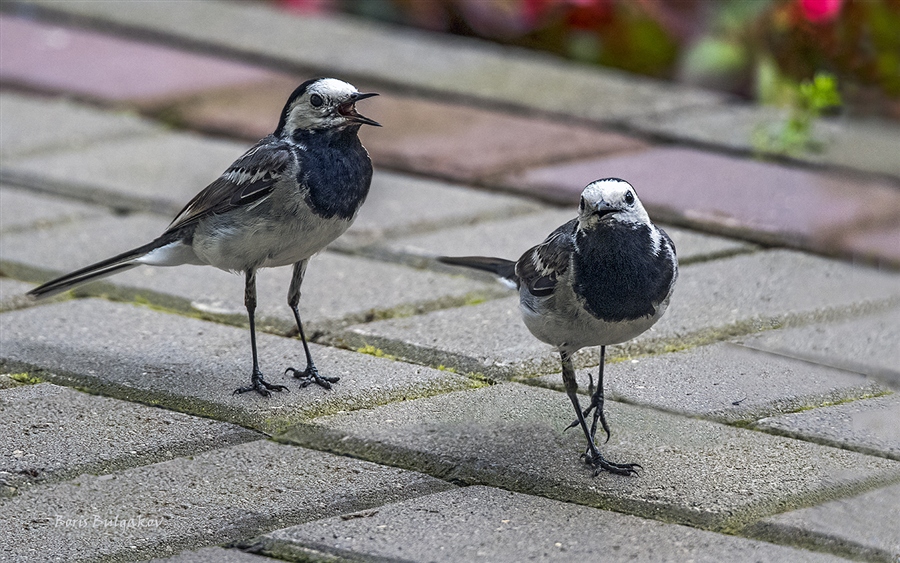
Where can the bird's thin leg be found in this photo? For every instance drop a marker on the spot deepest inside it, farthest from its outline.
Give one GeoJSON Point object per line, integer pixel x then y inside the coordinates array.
{"type": "Point", "coordinates": [257, 383]}
{"type": "Point", "coordinates": [310, 374]}
{"type": "Point", "coordinates": [597, 399]}
{"type": "Point", "coordinates": [593, 456]}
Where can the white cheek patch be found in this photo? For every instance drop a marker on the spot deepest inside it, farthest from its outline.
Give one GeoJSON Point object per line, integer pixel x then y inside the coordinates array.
{"type": "Point", "coordinates": [656, 240]}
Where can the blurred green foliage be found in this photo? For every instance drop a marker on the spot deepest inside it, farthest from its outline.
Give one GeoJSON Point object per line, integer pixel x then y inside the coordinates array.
{"type": "Point", "coordinates": [794, 136]}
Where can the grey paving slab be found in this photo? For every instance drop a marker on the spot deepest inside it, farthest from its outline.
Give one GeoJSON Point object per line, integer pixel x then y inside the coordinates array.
{"type": "Point", "coordinates": [192, 502]}
{"type": "Point", "coordinates": [861, 527]}
{"type": "Point", "coordinates": [12, 294]}
{"type": "Point", "coordinates": [139, 354]}
{"type": "Point", "coordinates": [34, 124]}
{"type": "Point", "coordinates": [162, 171]}
{"type": "Point", "coordinates": [712, 301]}
{"type": "Point", "coordinates": [512, 436]}
{"type": "Point", "coordinates": [408, 58]}
{"type": "Point", "coordinates": [213, 555]}
{"type": "Point", "coordinates": [401, 204]}
{"type": "Point", "coordinates": [869, 344]}
{"type": "Point", "coordinates": [510, 237]}
{"type": "Point", "coordinates": [22, 209]}
{"type": "Point", "coordinates": [486, 524]}
{"type": "Point", "coordinates": [337, 290]}
{"type": "Point", "coordinates": [869, 146]}
{"type": "Point", "coordinates": [868, 426]}
{"type": "Point", "coordinates": [725, 382]}
{"type": "Point", "coordinates": [51, 433]}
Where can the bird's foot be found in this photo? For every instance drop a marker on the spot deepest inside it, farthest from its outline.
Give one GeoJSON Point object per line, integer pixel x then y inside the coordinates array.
{"type": "Point", "coordinates": [311, 375]}
{"type": "Point", "coordinates": [600, 464]}
{"type": "Point", "coordinates": [596, 406]}
{"type": "Point", "coordinates": [260, 385]}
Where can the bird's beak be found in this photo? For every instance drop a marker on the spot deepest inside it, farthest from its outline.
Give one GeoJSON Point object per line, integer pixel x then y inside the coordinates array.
{"type": "Point", "coordinates": [603, 209]}
{"type": "Point", "coordinates": [348, 110]}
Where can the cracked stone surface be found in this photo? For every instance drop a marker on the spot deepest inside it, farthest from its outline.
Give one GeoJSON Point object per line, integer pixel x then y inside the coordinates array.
{"type": "Point", "coordinates": [485, 524]}
{"type": "Point", "coordinates": [193, 366]}
{"type": "Point", "coordinates": [189, 502]}
{"type": "Point", "coordinates": [864, 526]}
{"type": "Point", "coordinates": [51, 433]}
{"type": "Point", "coordinates": [866, 344]}
{"type": "Point", "coordinates": [868, 426]}
{"type": "Point", "coordinates": [512, 436]}
{"type": "Point", "coordinates": [724, 382]}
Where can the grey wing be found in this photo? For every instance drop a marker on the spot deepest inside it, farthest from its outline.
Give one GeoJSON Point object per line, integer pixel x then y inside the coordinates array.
{"type": "Point", "coordinates": [250, 178]}
{"type": "Point", "coordinates": [540, 267]}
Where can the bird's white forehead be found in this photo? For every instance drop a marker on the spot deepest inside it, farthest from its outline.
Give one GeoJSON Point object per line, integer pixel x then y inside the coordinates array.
{"type": "Point", "coordinates": [332, 88]}
{"type": "Point", "coordinates": [608, 190]}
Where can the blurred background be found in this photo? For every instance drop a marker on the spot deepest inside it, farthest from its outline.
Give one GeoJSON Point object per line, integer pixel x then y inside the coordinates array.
{"type": "Point", "coordinates": [761, 50]}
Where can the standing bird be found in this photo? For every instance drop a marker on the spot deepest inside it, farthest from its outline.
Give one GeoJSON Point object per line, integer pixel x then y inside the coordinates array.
{"type": "Point", "coordinates": [600, 279]}
{"type": "Point", "coordinates": [284, 200]}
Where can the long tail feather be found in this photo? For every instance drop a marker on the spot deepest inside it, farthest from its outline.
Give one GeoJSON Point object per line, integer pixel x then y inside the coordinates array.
{"type": "Point", "coordinates": [506, 269]}
{"type": "Point", "coordinates": [108, 267]}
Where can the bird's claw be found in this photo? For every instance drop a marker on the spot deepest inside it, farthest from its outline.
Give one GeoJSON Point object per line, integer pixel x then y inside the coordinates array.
{"type": "Point", "coordinates": [600, 464]}
{"type": "Point", "coordinates": [311, 375]}
{"type": "Point", "coordinates": [260, 385]}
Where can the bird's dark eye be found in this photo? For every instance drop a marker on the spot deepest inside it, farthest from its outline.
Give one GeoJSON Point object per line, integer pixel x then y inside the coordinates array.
{"type": "Point", "coordinates": [581, 205]}
{"type": "Point", "coordinates": [316, 100]}
{"type": "Point", "coordinates": [629, 198]}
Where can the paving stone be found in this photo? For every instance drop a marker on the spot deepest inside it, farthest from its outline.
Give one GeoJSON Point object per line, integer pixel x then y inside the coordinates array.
{"type": "Point", "coordinates": [108, 67]}
{"type": "Point", "coordinates": [33, 124]}
{"type": "Point", "coordinates": [162, 172]}
{"type": "Point", "coordinates": [449, 140]}
{"type": "Point", "coordinates": [869, 146]}
{"type": "Point", "coordinates": [337, 290]}
{"type": "Point", "coordinates": [879, 244]}
{"type": "Point", "coordinates": [512, 436]}
{"type": "Point", "coordinates": [467, 143]}
{"type": "Point", "coordinates": [400, 204]}
{"type": "Point", "coordinates": [138, 354]}
{"type": "Point", "coordinates": [863, 527]}
{"type": "Point", "coordinates": [51, 433]}
{"type": "Point", "coordinates": [712, 301]}
{"type": "Point", "coordinates": [486, 524]}
{"type": "Point", "coordinates": [22, 209]}
{"type": "Point", "coordinates": [408, 58]}
{"type": "Point", "coordinates": [866, 344]}
{"type": "Point", "coordinates": [868, 426]}
{"type": "Point", "coordinates": [760, 201]}
{"type": "Point", "coordinates": [192, 502]}
{"type": "Point", "coordinates": [511, 237]}
{"type": "Point", "coordinates": [214, 555]}
{"type": "Point", "coordinates": [726, 383]}
{"type": "Point", "coordinates": [12, 294]}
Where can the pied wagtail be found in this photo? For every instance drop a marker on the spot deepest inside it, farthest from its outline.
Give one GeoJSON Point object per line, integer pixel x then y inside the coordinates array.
{"type": "Point", "coordinates": [600, 279]}
{"type": "Point", "coordinates": [284, 200]}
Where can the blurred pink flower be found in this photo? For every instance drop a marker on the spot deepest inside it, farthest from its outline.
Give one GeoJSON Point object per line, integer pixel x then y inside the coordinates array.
{"type": "Point", "coordinates": [820, 11]}
{"type": "Point", "coordinates": [307, 6]}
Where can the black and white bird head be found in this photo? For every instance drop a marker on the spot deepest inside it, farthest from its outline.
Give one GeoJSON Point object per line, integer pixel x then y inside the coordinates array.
{"type": "Point", "coordinates": [322, 104]}
{"type": "Point", "coordinates": [610, 199]}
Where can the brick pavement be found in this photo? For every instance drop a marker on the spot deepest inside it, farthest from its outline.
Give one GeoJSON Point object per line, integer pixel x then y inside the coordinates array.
{"type": "Point", "coordinates": [761, 407]}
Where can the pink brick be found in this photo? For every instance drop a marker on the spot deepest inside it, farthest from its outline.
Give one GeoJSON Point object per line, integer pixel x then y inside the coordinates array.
{"type": "Point", "coordinates": [107, 67]}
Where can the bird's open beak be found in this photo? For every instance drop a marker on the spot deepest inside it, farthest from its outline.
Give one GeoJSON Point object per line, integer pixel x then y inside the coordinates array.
{"type": "Point", "coordinates": [603, 209]}
{"type": "Point", "coordinates": [348, 110]}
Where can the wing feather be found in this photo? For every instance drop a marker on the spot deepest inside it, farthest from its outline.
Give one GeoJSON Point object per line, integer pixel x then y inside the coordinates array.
{"type": "Point", "coordinates": [541, 266]}
{"type": "Point", "coordinates": [251, 177]}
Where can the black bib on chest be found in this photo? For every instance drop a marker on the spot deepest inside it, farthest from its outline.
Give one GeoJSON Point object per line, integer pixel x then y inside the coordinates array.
{"type": "Point", "coordinates": [336, 170]}
{"type": "Point", "coordinates": [617, 274]}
